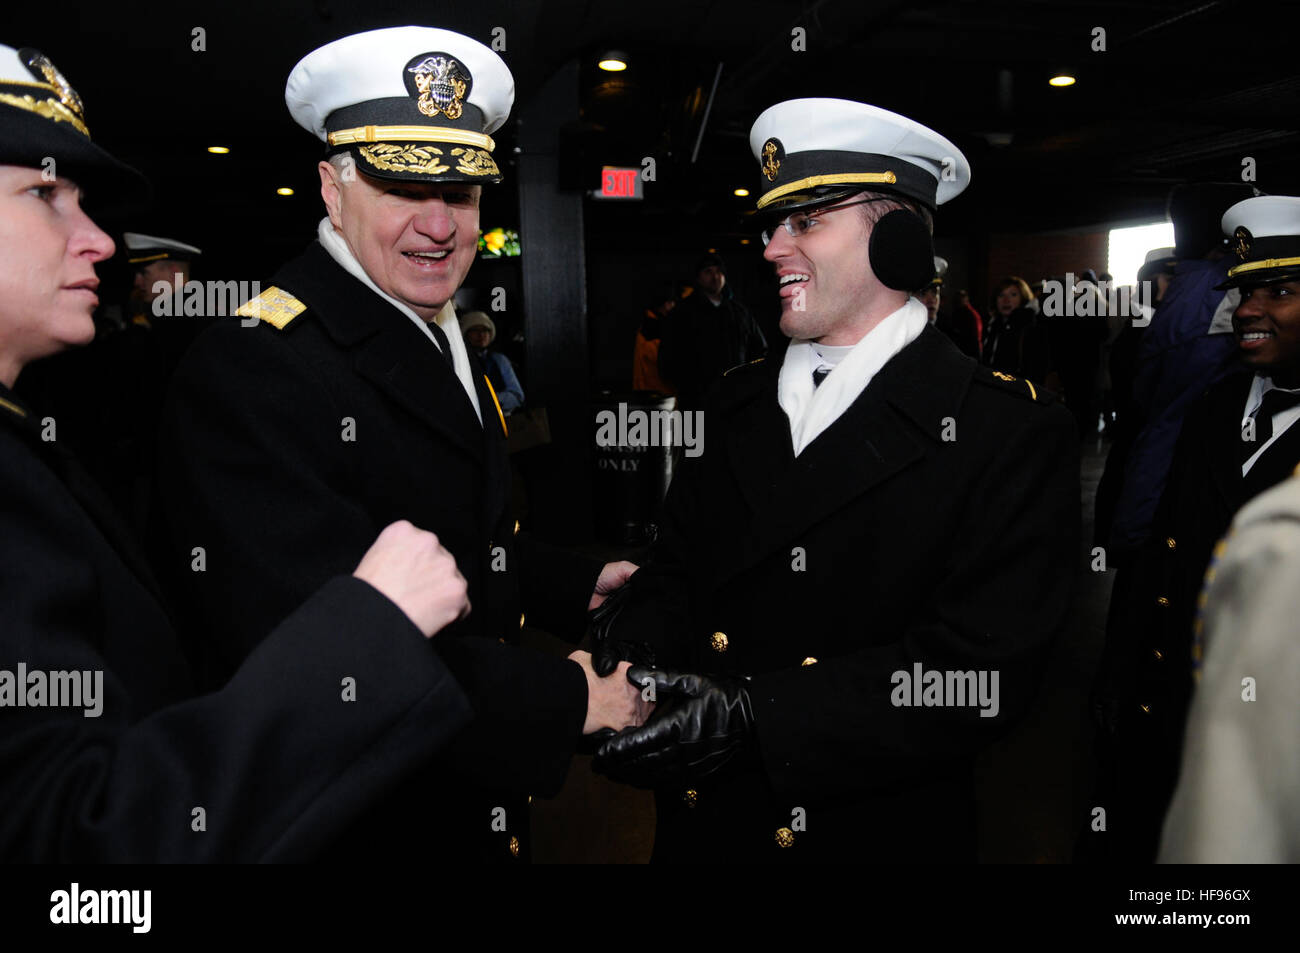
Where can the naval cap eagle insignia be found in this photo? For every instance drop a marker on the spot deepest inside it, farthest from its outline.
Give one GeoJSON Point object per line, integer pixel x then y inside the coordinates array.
{"type": "Point", "coordinates": [441, 83]}
{"type": "Point", "coordinates": [40, 67]}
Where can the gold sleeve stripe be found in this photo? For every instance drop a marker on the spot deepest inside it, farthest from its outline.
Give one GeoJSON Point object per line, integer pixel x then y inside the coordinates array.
{"type": "Point", "coordinates": [1032, 393]}
{"type": "Point", "coordinates": [13, 408]}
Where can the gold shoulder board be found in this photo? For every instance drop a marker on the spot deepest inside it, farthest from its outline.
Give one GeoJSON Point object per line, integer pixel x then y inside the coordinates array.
{"type": "Point", "coordinates": [1033, 392]}
{"type": "Point", "coordinates": [274, 306]}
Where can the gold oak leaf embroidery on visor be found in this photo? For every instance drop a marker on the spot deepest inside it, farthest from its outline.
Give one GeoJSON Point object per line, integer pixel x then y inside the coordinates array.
{"type": "Point", "coordinates": [391, 158]}
{"type": "Point", "coordinates": [48, 108]}
{"type": "Point", "coordinates": [475, 162]}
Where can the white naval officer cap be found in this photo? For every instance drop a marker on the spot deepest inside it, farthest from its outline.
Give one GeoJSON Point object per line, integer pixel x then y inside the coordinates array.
{"type": "Point", "coordinates": [940, 270]}
{"type": "Point", "coordinates": [141, 249]}
{"type": "Point", "coordinates": [411, 103]}
{"type": "Point", "coordinates": [1265, 234]}
{"type": "Point", "coordinates": [813, 150]}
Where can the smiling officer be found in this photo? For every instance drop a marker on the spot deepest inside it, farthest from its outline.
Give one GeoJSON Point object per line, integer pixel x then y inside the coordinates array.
{"type": "Point", "coordinates": [879, 502]}
{"type": "Point", "coordinates": [1238, 440]}
{"type": "Point", "coordinates": [352, 401]}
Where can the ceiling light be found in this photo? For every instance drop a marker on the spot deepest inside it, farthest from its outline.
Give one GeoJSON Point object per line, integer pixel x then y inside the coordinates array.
{"type": "Point", "coordinates": [283, 191]}
{"type": "Point", "coordinates": [219, 150]}
{"type": "Point", "coordinates": [1061, 79]}
{"type": "Point", "coordinates": [615, 61]}
{"type": "Point", "coordinates": [740, 193]}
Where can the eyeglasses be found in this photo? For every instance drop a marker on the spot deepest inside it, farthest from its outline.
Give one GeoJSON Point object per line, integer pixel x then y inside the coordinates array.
{"type": "Point", "coordinates": [798, 223]}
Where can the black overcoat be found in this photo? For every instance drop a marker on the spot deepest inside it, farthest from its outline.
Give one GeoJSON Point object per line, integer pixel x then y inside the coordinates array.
{"type": "Point", "coordinates": [278, 762]}
{"type": "Point", "coordinates": [285, 450]}
{"type": "Point", "coordinates": [1150, 651]}
{"type": "Point", "coordinates": [935, 523]}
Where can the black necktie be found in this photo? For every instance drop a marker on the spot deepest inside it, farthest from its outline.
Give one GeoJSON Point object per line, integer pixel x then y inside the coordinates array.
{"type": "Point", "coordinates": [1275, 401]}
{"type": "Point", "coordinates": [819, 375]}
{"type": "Point", "coordinates": [440, 336]}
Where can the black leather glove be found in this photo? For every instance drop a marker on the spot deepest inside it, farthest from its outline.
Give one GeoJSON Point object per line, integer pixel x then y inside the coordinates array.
{"type": "Point", "coordinates": [606, 650]}
{"type": "Point", "coordinates": [699, 726]}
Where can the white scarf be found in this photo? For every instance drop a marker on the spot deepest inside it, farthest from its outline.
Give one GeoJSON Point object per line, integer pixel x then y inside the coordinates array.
{"type": "Point", "coordinates": [339, 251]}
{"type": "Point", "coordinates": [812, 409]}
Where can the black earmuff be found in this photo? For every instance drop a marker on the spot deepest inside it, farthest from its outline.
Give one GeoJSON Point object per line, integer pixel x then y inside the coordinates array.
{"type": "Point", "coordinates": [901, 251]}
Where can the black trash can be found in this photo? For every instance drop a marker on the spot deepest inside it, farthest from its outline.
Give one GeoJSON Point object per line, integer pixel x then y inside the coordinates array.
{"type": "Point", "coordinates": [632, 440]}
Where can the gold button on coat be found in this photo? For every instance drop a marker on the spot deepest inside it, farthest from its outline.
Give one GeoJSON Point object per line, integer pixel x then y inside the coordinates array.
{"type": "Point", "coordinates": [1162, 601]}
{"type": "Point", "coordinates": [1158, 654]}
{"type": "Point", "coordinates": [785, 837]}
{"type": "Point", "coordinates": [691, 796]}
{"type": "Point", "coordinates": [1171, 543]}
{"type": "Point", "coordinates": [718, 642]}
{"type": "Point", "coordinates": [808, 661]}
{"type": "Point", "coordinates": [514, 846]}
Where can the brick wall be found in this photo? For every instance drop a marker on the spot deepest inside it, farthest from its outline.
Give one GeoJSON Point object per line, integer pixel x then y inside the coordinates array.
{"type": "Point", "coordinates": [1047, 255]}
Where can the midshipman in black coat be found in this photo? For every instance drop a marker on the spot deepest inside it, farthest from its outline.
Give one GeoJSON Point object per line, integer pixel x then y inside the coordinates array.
{"type": "Point", "coordinates": [866, 565]}
{"type": "Point", "coordinates": [1238, 440]}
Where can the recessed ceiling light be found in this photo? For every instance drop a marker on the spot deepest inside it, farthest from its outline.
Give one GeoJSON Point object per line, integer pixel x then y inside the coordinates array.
{"type": "Point", "coordinates": [1061, 79]}
{"type": "Point", "coordinates": [615, 61]}
{"type": "Point", "coordinates": [219, 150]}
{"type": "Point", "coordinates": [283, 191]}
{"type": "Point", "coordinates": [740, 193]}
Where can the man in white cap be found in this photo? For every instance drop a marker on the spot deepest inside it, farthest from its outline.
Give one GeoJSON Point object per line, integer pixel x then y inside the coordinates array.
{"type": "Point", "coordinates": [868, 562]}
{"type": "Point", "coordinates": [352, 400]}
{"type": "Point", "coordinates": [1238, 440]}
{"type": "Point", "coordinates": [932, 294]}
{"type": "Point", "coordinates": [162, 267]}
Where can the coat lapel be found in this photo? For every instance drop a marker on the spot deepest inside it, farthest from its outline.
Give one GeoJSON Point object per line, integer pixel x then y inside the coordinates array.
{"type": "Point", "coordinates": [1225, 423]}
{"type": "Point", "coordinates": [495, 452]}
{"type": "Point", "coordinates": [758, 445]}
{"type": "Point", "coordinates": [388, 349]}
{"type": "Point", "coordinates": [1276, 464]}
{"type": "Point", "coordinates": [887, 429]}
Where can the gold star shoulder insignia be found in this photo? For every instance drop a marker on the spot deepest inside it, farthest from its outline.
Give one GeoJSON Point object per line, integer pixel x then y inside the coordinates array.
{"type": "Point", "coordinates": [275, 306]}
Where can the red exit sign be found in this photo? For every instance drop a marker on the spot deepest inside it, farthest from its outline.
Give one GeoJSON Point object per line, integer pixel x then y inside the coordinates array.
{"type": "Point", "coordinates": [619, 183]}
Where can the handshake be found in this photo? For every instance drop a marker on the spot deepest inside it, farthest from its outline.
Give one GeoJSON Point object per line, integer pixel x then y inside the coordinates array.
{"type": "Point", "coordinates": [657, 727]}
{"type": "Point", "coordinates": [653, 726]}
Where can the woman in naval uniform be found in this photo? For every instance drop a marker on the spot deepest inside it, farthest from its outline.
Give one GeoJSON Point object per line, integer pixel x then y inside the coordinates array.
{"type": "Point", "coordinates": [105, 752]}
